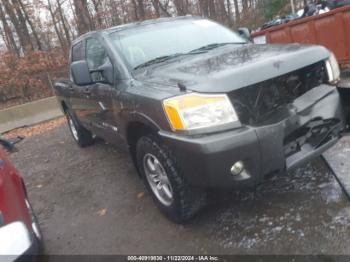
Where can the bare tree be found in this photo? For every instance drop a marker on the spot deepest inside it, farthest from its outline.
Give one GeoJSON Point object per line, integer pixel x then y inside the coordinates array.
{"type": "Point", "coordinates": [55, 25]}
{"type": "Point", "coordinates": [63, 22]}
{"type": "Point", "coordinates": [181, 7]}
{"type": "Point", "coordinates": [161, 9]}
{"type": "Point", "coordinates": [229, 13]}
{"type": "Point", "coordinates": [19, 25]}
{"type": "Point", "coordinates": [22, 24]}
{"type": "Point", "coordinates": [29, 21]}
{"type": "Point", "coordinates": [96, 4]}
{"type": "Point", "coordinates": [237, 13]}
{"type": "Point", "coordinates": [8, 34]}
{"type": "Point", "coordinates": [22, 31]}
{"type": "Point", "coordinates": [83, 16]}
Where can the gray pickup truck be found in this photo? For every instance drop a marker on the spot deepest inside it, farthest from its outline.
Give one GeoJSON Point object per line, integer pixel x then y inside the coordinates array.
{"type": "Point", "coordinates": [198, 106]}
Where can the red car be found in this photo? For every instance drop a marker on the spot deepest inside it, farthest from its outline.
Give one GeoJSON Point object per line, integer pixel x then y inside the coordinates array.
{"type": "Point", "coordinates": [19, 231]}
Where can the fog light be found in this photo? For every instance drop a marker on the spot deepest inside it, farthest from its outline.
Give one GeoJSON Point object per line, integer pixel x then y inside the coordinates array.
{"type": "Point", "coordinates": [237, 168]}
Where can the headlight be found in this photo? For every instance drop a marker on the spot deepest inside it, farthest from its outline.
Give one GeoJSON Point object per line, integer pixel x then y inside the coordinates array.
{"type": "Point", "coordinates": [333, 69]}
{"type": "Point", "coordinates": [193, 111]}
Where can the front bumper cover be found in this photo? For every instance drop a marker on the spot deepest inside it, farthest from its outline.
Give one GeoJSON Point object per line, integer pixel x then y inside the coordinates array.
{"type": "Point", "coordinates": [207, 160]}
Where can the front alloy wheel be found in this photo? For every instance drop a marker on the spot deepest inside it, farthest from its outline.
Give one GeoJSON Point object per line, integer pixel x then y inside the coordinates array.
{"type": "Point", "coordinates": [165, 180]}
{"type": "Point", "coordinates": [158, 179]}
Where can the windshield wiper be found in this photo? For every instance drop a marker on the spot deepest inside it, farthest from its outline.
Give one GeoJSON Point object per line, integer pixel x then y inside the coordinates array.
{"type": "Point", "coordinates": [193, 52]}
{"type": "Point", "coordinates": [213, 46]}
{"type": "Point", "coordinates": [158, 60]}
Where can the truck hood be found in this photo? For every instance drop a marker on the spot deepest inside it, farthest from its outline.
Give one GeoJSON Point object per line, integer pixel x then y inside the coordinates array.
{"type": "Point", "coordinates": [233, 67]}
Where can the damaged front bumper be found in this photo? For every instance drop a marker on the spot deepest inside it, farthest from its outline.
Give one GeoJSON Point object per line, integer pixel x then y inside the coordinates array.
{"type": "Point", "coordinates": [309, 126]}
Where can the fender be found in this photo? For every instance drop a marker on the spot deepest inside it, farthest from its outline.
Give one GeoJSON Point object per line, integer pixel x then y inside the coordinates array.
{"type": "Point", "coordinates": [142, 119]}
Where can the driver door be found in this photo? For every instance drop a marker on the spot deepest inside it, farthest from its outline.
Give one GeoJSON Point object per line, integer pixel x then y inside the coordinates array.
{"type": "Point", "coordinates": [99, 95]}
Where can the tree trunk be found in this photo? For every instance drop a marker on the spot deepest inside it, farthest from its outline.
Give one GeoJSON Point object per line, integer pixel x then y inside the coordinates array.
{"type": "Point", "coordinates": [135, 10]}
{"type": "Point", "coordinates": [155, 4]}
{"type": "Point", "coordinates": [141, 8]}
{"type": "Point", "coordinates": [96, 4]}
{"type": "Point", "coordinates": [113, 18]}
{"type": "Point", "coordinates": [63, 22]}
{"type": "Point", "coordinates": [229, 13]}
{"type": "Point", "coordinates": [237, 14]}
{"type": "Point", "coordinates": [6, 40]}
{"type": "Point", "coordinates": [212, 9]}
{"type": "Point", "coordinates": [74, 15]}
{"type": "Point", "coordinates": [181, 7]}
{"type": "Point", "coordinates": [163, 11]}
{"type": "Point", "coordinates": [58, 33]}
{"type": "Point", "coordinates": [23, 24]}
{"type": "Point", "coordinates": [221, 12]}
{"type": "Point", "coordinates": [204, 7]}
{"type": "Point", "coordinates": [124, 11]}
{"type": "Point", "coordinates": [12, 46]}
{"type": "Point", "coordinates": [25, 43]}
{"type": "Point", "coordinates": [32, 27]}
{"type": "Point", "coordinates": [83, 16]}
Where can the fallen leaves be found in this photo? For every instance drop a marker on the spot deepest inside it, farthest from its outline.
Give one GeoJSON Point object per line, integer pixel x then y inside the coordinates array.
{"type": "Point", "coordinates": [140, 195]}
{"type": "Point", "coordinates": [36, 129]}
{"type": "Point", "coordinates": [102, 212]}
{"type": "Point", "coordinates": [26, 78]}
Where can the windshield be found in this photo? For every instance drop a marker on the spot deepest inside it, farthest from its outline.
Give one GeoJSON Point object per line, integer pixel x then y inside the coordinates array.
{"type": "Point", "coordinates": [145, 43]}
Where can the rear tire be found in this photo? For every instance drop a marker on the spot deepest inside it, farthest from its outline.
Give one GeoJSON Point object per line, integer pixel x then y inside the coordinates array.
{"type": "Point", "coordinates": [179, 201]}
{"type": "Point", "coordinates": [81, 135]}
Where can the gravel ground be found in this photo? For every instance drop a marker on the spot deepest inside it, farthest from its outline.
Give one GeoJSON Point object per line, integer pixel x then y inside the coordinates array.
{"type": "Point", "coordinates": [91, 201]}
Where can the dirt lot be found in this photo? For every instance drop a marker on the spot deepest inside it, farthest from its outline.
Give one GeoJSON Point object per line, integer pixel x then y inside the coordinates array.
{"type": "Point", "coordinates": [91, 201]}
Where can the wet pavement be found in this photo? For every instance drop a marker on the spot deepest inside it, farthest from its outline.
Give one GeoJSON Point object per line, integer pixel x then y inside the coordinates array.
{"type": "Point", "coordinates": [338, 158]}
{"type": "Point", "coordinates": [91, 201]}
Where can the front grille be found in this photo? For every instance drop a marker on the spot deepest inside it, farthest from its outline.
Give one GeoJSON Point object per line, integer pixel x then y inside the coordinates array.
{"type": "Point", "coordinates": [254, 104]}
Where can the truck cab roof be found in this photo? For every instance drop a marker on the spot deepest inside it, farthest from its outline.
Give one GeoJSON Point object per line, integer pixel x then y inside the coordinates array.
{"type": "Point", "coordinates": [136, 24]}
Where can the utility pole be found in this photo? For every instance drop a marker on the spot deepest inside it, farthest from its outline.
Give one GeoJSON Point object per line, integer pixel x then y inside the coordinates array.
{"type": "Point", "coordinates": [293, 6]}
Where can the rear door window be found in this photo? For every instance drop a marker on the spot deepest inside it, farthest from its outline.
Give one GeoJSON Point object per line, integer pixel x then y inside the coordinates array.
{"type": "Point", "coordinates": [77, 52]}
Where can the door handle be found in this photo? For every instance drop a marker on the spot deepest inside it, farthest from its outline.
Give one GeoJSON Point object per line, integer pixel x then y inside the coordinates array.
{"type": "Point", "coordinates": [87, 91]}
{"type": "Point", "coordinates": [71, 89]}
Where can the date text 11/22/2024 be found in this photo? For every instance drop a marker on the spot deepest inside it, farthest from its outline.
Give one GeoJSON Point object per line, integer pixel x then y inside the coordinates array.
{"type": "Point", "coordinates": [173, 258]}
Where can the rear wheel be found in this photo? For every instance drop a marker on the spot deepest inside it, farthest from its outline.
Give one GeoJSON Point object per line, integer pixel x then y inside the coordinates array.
{"type": "Point", "coordinates": [81, 135]}
{"type": "Point", "coordinates": [166, 182]}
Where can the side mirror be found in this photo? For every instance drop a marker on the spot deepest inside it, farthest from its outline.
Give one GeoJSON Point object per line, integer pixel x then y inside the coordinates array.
{"type": "Point", "coordinates": [245, 33]}
{"type": "Point", "coordinates": [9, 145]}
{"type": "Point", "coordinates": [6, 144]}
{"type": "Point", "coordinates": [105, 71]}
{"type": "Point", "coordinates": [81, 73]}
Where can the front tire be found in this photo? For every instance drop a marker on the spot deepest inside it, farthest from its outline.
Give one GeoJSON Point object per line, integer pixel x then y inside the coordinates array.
{"type": "Point", "coordinates": [81, 135]}
{"type": "Point", "coordinates": [166, 182]}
